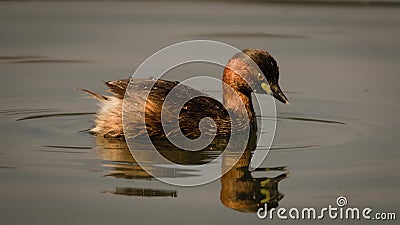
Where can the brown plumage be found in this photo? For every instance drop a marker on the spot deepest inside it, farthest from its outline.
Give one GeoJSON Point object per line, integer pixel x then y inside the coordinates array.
{"type": "Point", "coordinates": [248, 71]}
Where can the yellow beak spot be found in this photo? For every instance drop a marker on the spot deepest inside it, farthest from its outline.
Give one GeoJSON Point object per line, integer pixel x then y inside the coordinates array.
{"type": "Point", "coordinates": [266, 88]}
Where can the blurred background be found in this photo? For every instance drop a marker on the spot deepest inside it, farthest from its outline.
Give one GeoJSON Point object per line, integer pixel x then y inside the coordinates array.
{"type": "Point", "coordinates": [339, 65]}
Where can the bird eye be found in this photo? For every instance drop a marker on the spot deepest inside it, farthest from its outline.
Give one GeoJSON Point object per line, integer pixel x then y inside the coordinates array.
{"type": "Point", "coordinates": [260, 76]}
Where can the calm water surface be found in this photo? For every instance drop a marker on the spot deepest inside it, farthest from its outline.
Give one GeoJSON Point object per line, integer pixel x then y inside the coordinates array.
{"type": "Point", "coordinates": [339, 67]}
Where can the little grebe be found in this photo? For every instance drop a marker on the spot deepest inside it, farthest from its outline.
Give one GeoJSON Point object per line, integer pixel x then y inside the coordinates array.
{"type": "Point", "coordinates": [239, 75]}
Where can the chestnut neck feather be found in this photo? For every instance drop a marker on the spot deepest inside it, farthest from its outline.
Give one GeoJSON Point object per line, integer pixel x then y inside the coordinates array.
{"type": "Point", "coordinates": [235, 89]}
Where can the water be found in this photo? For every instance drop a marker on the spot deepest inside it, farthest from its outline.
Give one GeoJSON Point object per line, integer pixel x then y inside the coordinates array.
{"type": "Point", "coordinates": [339, 68]}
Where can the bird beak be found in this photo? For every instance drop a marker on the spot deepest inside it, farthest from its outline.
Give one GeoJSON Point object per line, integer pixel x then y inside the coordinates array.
{"type": "Point", "coordinates": [275, 91]}
{"type": "Point", "coordinates": [278, 94]}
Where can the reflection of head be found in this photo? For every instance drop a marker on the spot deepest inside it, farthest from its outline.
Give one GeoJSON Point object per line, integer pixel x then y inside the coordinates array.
{"type": "Point", "coordinates": [240, 191]}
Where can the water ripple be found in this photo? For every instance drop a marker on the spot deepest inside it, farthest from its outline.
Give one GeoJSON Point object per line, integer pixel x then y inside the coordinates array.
{"type": "Point", "coordinates": [11, 112]}
{"type": "Point", "coordinates": [311, 120]}
{"type": "Point", "coordinates": [37, 59]}
{"type": "Point", "coordinates": [8, 167]}
{"type": "Point", "coordinates": [143, 192]}
{"type": "Point", "coordinates": [248, 35]}
{"type": "Point", "coordinates": [59, 151]}
{"type": "Point", "coordinates": [67, 147]}
{"type": "Point", "coordinates": [55, 115]}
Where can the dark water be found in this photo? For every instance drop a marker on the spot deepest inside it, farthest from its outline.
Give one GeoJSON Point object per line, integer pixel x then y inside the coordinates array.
{"type": "Point", "coordinates": [339, 68]}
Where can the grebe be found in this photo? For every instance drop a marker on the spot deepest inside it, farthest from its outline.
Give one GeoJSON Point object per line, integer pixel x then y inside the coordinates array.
{"type": "Point", "coordinates": [238, 70]}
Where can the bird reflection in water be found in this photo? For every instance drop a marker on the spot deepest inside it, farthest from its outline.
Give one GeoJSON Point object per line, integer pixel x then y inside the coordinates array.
{"type": "Point", "coordinates": [239, 189]}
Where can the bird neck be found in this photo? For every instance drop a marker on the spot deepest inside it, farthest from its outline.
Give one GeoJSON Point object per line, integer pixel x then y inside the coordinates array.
{"type": "Point", "coordinates": [238, 102]}
{"type": "Point", "coordinates": [236, 92]}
